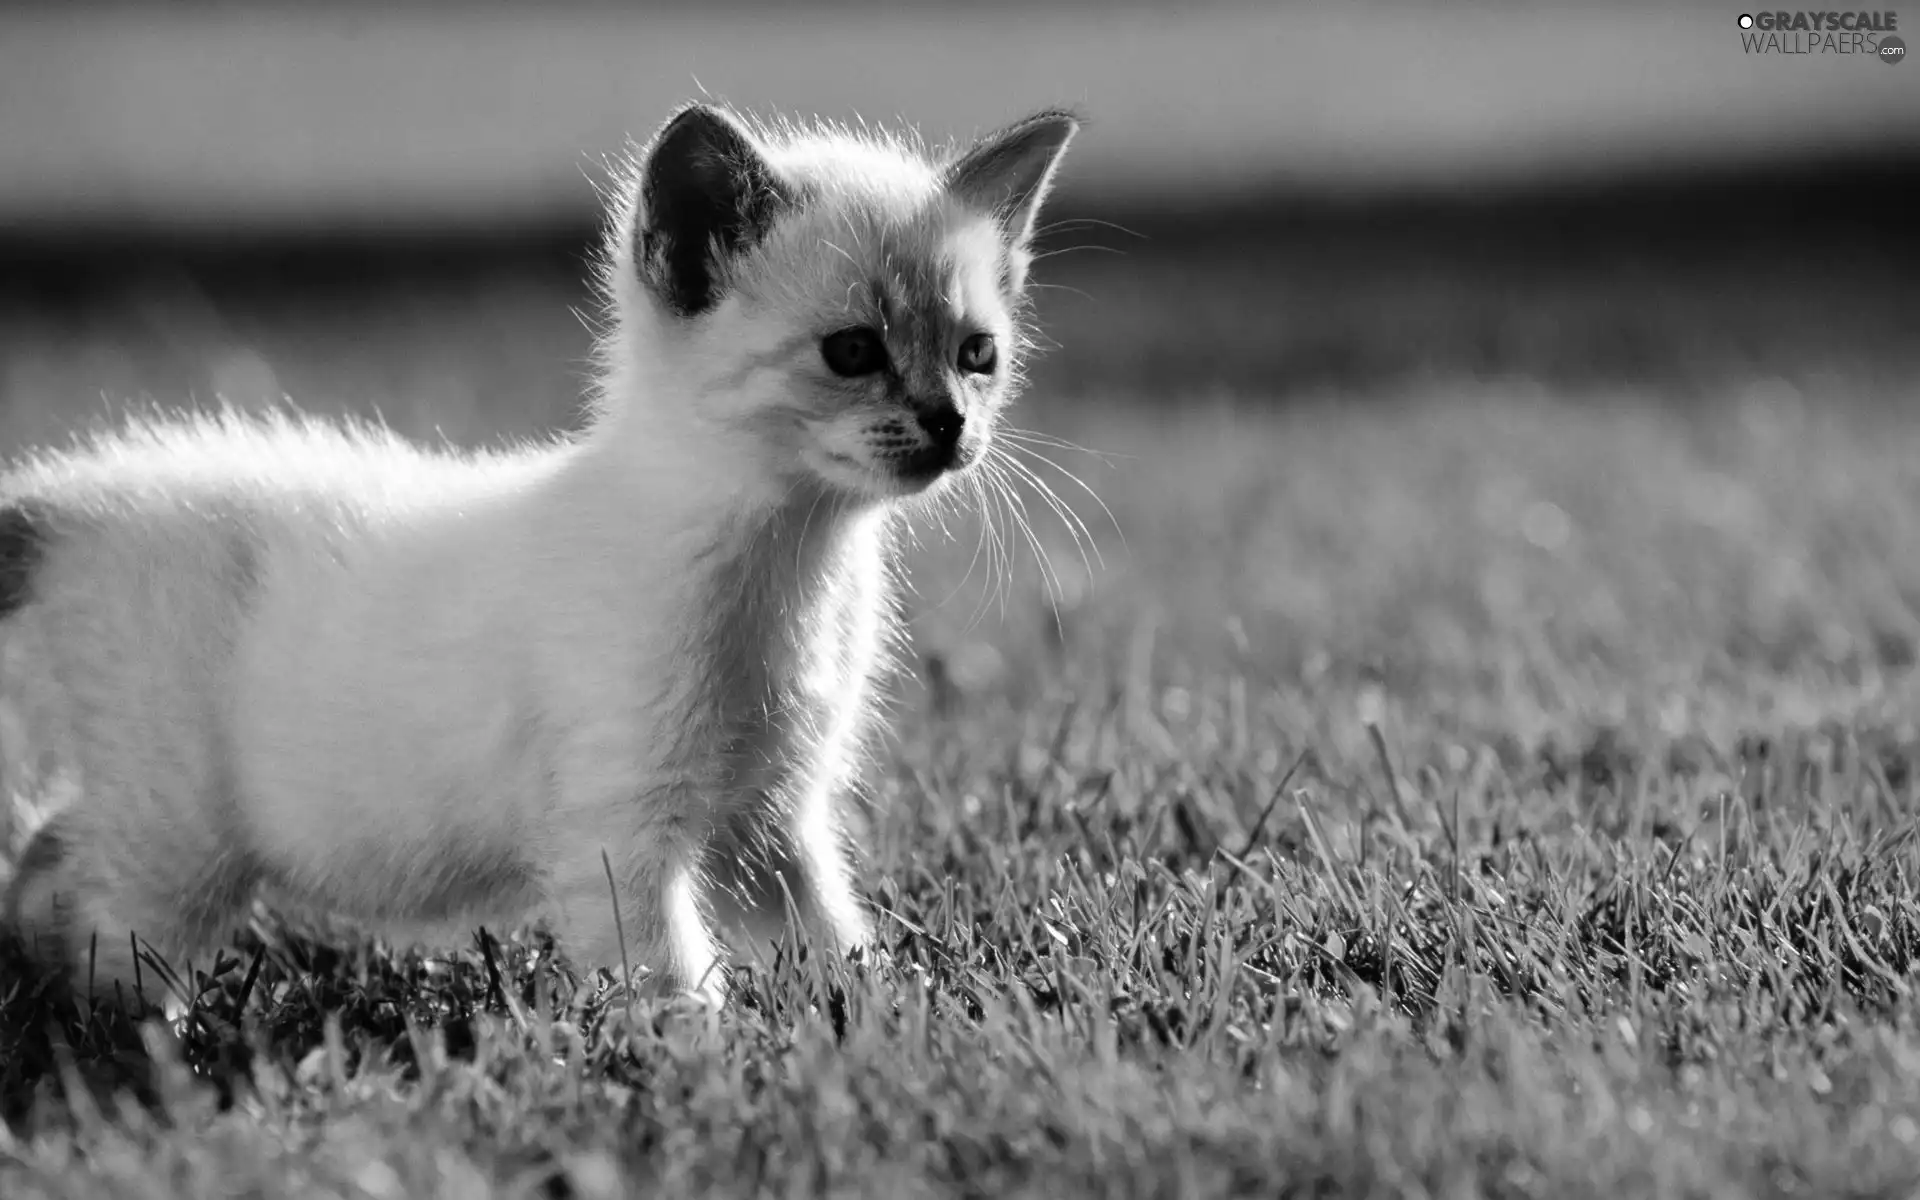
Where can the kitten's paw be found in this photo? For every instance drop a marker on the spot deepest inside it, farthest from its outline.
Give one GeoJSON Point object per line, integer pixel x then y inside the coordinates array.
{"type": "Point", "coordinates": [708, 992]}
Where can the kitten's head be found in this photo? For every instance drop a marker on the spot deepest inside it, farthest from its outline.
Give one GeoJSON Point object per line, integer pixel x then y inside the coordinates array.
{"type": "Point", "coordinates": [849, 303]}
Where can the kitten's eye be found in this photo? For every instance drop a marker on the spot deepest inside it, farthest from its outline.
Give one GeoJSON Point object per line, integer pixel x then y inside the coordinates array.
{"type": "Point", "coordinates": [854, 352]}
{"type": "Point", "coordinates": [977, 354]}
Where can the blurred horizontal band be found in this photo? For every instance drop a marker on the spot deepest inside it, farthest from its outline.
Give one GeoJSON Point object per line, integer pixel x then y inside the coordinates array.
{"type": "Point", "coordinates": [254, 118]}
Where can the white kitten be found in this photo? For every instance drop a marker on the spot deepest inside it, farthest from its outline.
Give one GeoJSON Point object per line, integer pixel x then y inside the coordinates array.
{"type": "Point", "coordinates": [428, 691]}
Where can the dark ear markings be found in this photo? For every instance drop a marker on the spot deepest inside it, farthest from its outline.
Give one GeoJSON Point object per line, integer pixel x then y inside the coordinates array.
{"type": "Point", "coordinates": [23, 544]}
{"type": "Point", "coordinates": [1009, 172]}
{"type": "Point", "coordinates": [707, 195]}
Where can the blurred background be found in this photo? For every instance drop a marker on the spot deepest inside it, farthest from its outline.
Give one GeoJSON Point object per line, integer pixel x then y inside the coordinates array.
{"type": "Point", "coordinates": [348, 201]}
{"type": "Point", "coordinates": [1279, 218]}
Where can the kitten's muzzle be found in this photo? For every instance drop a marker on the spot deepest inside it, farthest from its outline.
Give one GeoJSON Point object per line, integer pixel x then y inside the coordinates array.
{"type": "Point", "coordinates": [943, 426]}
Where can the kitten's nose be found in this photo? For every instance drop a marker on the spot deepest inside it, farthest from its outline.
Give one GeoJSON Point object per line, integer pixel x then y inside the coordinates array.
{"type": "Point", "coordinates": [943, 425]}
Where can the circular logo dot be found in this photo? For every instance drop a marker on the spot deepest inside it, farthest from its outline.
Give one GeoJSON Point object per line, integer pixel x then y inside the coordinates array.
{"type": "Point", "coordinates": [1892, 49]}
{"type": "Point", "coordinates": [1746, 20]}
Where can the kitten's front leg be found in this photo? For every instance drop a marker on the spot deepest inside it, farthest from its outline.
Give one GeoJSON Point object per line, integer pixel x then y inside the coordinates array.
{"type": "Point", "coordinates": [630, 892]}
{"type": "Point", "coordinates": [825, 866]}
{"type": "Point", "coordinates": [769, 869]}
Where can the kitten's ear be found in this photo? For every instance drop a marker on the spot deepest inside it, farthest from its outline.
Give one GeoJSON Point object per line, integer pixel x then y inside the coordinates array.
{"type": "Point", "coordinates": [707, 195]}
{"type": "Point", "coordinates": [1008, 173]}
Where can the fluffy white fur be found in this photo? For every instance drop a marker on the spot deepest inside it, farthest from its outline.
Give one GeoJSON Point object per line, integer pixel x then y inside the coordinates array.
{"type": "Point", "coordinates": [429, 690]}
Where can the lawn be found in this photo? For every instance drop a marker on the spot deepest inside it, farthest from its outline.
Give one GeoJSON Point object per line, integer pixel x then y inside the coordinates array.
{"type": "Point", "coordinates": [1436, 783]}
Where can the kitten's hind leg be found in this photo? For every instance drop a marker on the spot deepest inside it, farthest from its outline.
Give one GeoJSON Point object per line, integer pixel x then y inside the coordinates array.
{"type": "Point", "coordinates": [60, 913]}
{"type": "Point", "coordinates": [100, 929]}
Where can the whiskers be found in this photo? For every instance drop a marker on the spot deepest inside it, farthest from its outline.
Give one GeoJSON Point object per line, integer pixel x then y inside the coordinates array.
{"type": "Point", "coordinates": [1075, 225]}
{"type": "Point", "coordinates": [1017, 468]}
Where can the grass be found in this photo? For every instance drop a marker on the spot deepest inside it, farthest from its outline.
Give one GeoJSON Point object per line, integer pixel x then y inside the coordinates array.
{"type": "Point", "coordinates": [1452, 789]}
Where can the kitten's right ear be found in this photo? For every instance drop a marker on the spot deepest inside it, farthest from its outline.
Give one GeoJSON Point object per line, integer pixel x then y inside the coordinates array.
{"type": "Point", "coordinates": [707, 195]}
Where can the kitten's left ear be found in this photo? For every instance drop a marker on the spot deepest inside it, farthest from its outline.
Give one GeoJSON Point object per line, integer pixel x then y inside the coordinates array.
{"type": "Point", "coordinates": [1009, 172]}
